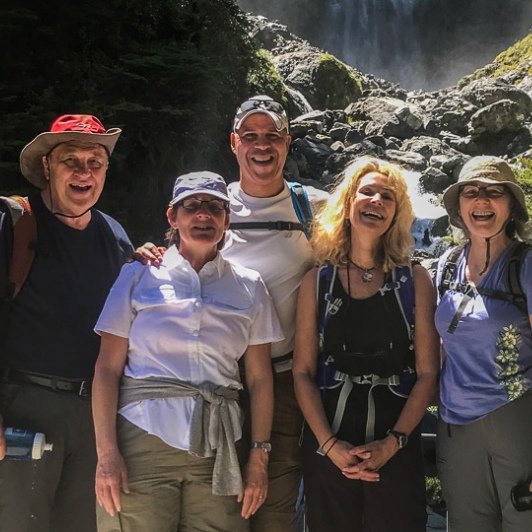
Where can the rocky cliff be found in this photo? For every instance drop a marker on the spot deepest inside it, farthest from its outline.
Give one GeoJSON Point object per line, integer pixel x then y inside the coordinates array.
{"type": "Point", "coordinates": [339, 113]}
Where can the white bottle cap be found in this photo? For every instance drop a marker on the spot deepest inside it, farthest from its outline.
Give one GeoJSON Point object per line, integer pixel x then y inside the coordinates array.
{"type": "Point", "coordinates": [39, 446]}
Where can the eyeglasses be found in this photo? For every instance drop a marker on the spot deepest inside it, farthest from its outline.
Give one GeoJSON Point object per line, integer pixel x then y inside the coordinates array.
{"type": "Point", "coordinates": [490, 191]}
{"type": "Point", "coordinates": [215, 206]}
{"type": "Point", "coordinates": [280, 119]}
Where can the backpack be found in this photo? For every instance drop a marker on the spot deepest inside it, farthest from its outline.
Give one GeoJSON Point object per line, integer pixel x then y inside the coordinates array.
{"type": "Point", "coordinates": [513, 293]}
{"type": "Point", "coordinates": [21, 250]}
{"type": "Point", "coordinates": [302, 209]}
{"type": "Point", "coordinates": [328, 377]}
{"type": "Point", "coordinates": [23, 245]}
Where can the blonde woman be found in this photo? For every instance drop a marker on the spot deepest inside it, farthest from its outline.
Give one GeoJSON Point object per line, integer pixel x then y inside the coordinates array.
{"type": "Point", "coordinates": [361, 446]}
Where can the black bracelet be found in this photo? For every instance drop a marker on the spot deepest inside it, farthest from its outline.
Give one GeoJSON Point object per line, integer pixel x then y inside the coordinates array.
{"type": "Point", "coordinates": [320, 450]}
{"type": "Point", "coordinates": [334, 443]}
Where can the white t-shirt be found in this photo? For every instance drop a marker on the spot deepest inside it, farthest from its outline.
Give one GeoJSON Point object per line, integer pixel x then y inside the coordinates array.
{"type": "Point", "coordinates": [281, 257]}
{"type": "Point", "coordinates": [190, 326]}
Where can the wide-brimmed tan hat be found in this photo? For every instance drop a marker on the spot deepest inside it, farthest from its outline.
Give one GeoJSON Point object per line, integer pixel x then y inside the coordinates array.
{"type": "Point", "coordinates": [85, 128]}
{"type": "Point", "coordinates": [492, 171]}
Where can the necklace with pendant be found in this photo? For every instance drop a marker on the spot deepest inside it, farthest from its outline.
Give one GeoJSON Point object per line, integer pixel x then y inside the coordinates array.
{"type": "Point", "coordinates": [367, 276]}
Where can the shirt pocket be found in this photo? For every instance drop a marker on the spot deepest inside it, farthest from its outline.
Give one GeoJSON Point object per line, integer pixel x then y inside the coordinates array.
{"type": "Point", "coordinates": [161, 296]}
{"type": "Point", "coordinates": [234, 301]}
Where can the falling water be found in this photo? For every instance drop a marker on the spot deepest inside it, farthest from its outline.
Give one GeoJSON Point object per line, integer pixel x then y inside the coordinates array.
{"type": "Point", "coordinates": [378, 36]}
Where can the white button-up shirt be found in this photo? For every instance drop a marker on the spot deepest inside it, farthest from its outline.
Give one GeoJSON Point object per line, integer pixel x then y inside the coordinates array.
{"type": "Point", "coordinates": [190, 326]}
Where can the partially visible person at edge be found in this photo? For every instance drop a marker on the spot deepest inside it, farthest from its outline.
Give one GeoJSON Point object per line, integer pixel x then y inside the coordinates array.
{"type": "Point", "coordinates": [48, 354]}
{"type": "Point", "coordinates": [172, 336]}
{"type": "Point", "coordinates": [260, 141]}
{"type": "Point", "coordinates": [363, 463]}
{"type": "Point", "coordinates": [484, 441]}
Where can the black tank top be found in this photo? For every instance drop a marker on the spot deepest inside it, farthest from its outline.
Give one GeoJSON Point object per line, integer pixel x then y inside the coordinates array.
{"type": "Point", "coordinates": [369, 329]}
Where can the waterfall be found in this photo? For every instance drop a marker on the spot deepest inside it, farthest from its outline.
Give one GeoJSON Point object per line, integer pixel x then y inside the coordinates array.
{"type": "Point", "coordinates": [377, 36]}
{"type": "Point", "coordinates": [427, 214]}
{"type": "Point", "coordinates": [299, 101]}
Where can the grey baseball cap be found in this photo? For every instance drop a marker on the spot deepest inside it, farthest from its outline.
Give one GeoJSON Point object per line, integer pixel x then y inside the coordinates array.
{"type": "Point", "coordinates": [261, 104]}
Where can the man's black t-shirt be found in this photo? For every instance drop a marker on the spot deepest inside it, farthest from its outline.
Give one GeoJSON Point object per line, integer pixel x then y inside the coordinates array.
{"type": "Point", "coordinates": [50, 325]}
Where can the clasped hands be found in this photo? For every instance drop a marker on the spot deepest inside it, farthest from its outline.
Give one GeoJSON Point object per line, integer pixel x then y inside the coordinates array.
{"type": "Point", "coordinates": [364, 461]}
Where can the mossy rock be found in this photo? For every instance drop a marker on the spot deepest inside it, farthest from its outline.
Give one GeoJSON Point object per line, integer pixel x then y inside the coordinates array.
{"type": "Point", "coordinates": [516, 60]}
{"type": "Point", "coordinates": [263, 77]}
{"type": "Point", "coordinates": [335, 84]}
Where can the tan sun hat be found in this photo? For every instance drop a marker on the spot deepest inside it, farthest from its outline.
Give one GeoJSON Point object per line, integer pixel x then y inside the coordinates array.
{"type": "Point", "coordinates": [492, 171]}
{"type": "Point", "coordinates": [85, 128]}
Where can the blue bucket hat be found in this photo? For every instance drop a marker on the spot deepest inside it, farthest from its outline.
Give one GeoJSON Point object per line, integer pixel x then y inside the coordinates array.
{"type": "Point", "coordinates": [204, 182]}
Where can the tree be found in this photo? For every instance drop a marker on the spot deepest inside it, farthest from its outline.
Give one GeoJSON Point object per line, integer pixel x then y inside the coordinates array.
{"type": "Point", "coordinates": [170, 73]}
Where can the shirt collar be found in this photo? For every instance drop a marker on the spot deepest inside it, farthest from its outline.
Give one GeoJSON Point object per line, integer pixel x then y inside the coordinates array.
{"type": "Point", "coordinates": [173, 259]}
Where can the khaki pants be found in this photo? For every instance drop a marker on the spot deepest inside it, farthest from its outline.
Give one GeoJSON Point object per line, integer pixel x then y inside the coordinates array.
{"type": "Point", "coordinates": [285, 469]}
{"type": "Point", "coordinates": [170, 490]}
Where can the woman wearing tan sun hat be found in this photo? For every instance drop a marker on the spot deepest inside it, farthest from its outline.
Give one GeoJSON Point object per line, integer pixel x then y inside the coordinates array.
{"type": "Point", "coordinates": [484, 445]}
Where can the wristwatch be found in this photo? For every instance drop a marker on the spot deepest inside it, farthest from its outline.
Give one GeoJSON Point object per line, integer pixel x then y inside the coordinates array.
{"type": "Point", "coordinates": [266, 446]}
{"type": "Point", "coordinates": [401, 437]}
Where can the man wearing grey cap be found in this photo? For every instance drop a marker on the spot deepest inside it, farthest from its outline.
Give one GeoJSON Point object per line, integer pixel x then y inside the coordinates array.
{"type": "Point", "coordinates": [260, 140]}
{"type": "Point", "coordinates": [49, 349]}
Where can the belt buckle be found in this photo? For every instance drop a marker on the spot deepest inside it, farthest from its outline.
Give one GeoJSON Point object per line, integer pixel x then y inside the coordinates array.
{"type": "Point", "coordinates": [85, 389]}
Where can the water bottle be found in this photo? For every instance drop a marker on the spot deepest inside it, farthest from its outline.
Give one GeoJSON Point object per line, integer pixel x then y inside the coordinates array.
{"type": "Point", "coordinates": [24, 444]}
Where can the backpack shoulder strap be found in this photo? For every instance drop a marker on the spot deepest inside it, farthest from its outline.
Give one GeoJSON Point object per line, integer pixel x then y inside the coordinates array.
{"type": "Point", "coordinates": [449, 268]}
{"type": "Point", "coordinates": [513, 275]}
{"type": "Point", "coordinates": [514, 292]}
{"type": "Point", "coordinates": [327, 305]}
{"type": "Point", "coordinates": [24, 240]}
{"type": "Point", "coordinates": [301, 206]}
{"type": "Point", "coordinates": [402, 284]}
{"type": "Point", "coordinates": [302, 209]}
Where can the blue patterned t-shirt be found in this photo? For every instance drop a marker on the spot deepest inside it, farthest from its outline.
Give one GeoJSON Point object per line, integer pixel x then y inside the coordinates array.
{"type": "Point", "coordinates": [488, 358]}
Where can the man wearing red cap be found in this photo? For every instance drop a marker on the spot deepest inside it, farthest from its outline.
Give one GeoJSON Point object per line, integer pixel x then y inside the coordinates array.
{"type": "Point", "coordinates": [48, 353]}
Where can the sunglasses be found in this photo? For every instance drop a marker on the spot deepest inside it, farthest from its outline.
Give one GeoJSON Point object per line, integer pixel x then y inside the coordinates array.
{"type": "Point", "coordinates": [490, 191]}
{"type": "Point", "coordinates": [281, 120]}
{"type": "Point", "coordinates": [215, 206]}
{"type": "Point", "coordinates": [268, 105]}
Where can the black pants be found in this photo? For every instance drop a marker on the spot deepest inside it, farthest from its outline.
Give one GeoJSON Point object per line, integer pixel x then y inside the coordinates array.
{"type": "Point", "coordinates": [396, 503]}
{"type": "Point", "coordinates": [55, 493]}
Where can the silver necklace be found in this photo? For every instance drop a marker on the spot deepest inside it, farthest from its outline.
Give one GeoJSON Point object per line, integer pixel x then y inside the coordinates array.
{"type": "Point", "coordinates": [367, 276]}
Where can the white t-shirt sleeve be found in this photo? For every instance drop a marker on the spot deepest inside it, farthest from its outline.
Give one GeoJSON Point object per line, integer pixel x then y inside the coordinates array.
{"type": "Point", "coordinates": [265, 325]}
{"type": "Point", "coordinates": [118, 313]}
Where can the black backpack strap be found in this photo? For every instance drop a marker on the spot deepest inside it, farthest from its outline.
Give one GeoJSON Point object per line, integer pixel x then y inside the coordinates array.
{"type": "Point", "coordinates": [449, 269]}
{"type": "Point", "coordinates": [270, 226]}
{"type": "Point", "coordinates": [514, 293]}
{"type": "Point", "coordinates": [302, 209]}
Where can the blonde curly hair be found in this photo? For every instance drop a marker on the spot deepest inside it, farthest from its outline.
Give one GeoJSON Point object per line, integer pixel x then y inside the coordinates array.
{"type": "Point", "coordinates": [331, 234]}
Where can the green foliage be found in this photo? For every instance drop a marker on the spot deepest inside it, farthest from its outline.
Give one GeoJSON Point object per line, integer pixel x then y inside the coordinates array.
{"type": "Point", "coordinates": [336, 84]}
{"type": "Point", "coordinates": [516, 59]}
{"type": "Point", "coordinates": [523, 173]}
{"type": "Point", "coordinates": [434, 492]}
{"type": "Point", "coordinates": [170, 73]}
{"type": "Point", "coordinates": [263, 77]}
